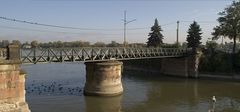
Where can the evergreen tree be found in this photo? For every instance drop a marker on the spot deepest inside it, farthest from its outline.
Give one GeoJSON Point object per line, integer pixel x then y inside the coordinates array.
{"type": "Point", "coordinates": [194, 36]}
{"type": "Point", "coordinates": [155, 37]}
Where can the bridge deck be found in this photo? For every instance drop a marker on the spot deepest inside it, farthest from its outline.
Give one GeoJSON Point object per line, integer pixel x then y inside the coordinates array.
{"type": "Point", "coordinates": [43, 55]}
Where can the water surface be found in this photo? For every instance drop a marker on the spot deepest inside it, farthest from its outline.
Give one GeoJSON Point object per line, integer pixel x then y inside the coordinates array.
{"type": "Point", "coordinates": [59, 88]}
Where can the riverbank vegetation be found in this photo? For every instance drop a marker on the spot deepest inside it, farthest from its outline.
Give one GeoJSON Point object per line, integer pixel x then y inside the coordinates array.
{"type": "Point", "coordinates": [217, 58]}
{"type": "Point", "coordinates": [229, 26]}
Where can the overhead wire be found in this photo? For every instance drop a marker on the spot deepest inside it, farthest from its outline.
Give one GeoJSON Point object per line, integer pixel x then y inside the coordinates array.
{"type": "Point", "coordinates": [49, 25]}
{"type": "Point", "coordinates": [68, 27]}
{"type": "Point", "coordinates": [198, 21]}
{"type": "Point", "coordinates": [47, 31]}
{"type": "Point", "coordinates": [20, 28]}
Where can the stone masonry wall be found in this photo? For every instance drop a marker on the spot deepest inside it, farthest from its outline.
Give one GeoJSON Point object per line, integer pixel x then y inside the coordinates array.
{"type": "Point", "coordinates": [12, 87]}
{"type": "Point", "coordinates": [175, 66]}
{"type": "Point", "coordinates": [179, 66]}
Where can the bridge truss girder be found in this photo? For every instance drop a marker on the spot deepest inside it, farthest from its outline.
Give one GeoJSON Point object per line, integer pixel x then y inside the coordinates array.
{"type": "Point", "coordinates": [47, 55]}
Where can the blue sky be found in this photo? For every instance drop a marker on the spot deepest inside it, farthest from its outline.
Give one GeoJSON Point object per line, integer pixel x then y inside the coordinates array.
{"type": "Point", "coordinates": [106, 14]}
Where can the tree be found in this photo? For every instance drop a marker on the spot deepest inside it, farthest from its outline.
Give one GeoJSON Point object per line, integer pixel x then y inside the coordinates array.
{"type": "Point", "coordinates": [59, 44]}
{"type": "Point", "coordinates": [184, 45]}
{"type": "Point", "coordinates": [155, 37]}
{"type": "Point", "coordinates": [211, 45]}
{"type": "Point", "coordinates": [113, 44]}
{"type": "Point", "coordinates": [194, 36]}
{"type": "Point", "coordinates": [229, 26]}
{"type": "Point", "coordinates": [34, 44]}
{"type": "Point", "coordinates": [16, 42]}
{"type": "Point", "coordinates": [99, 44]}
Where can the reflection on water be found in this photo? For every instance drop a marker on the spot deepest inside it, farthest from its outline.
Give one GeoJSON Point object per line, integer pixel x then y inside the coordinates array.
{"type": "Point", "coordinates": [103, 104]}
{"type": "Point", "coordinates": [61, 91]}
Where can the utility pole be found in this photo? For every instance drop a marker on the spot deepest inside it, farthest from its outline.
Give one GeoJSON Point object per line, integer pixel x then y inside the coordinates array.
{"type": "Point", "coordinates": [125, 25]}
{"type": "Point", "coordinates": [177, 31]}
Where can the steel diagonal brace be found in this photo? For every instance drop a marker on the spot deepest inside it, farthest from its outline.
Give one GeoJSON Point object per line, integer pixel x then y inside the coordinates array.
{"type": "Point", "coordinates": [78, 54]}
{"type": "Point", "coordinates": [54, 55]}
{"type": "Point", "coordinates": [43, 52]}
{"type": "Point", "coordinates": [88, 56]}
{"type": "Point", "coordinates": [28, 56]}
{"type": "Point", "coordinates": [67, 53]}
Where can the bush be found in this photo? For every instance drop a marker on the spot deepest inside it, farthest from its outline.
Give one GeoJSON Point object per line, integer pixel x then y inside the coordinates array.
{"type": "Point", "coordinates": [215, 62]}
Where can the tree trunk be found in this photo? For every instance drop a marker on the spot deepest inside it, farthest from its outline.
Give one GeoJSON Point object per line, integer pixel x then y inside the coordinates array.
{"type": "Point", "coordinates": [234, 54]}
{"type": "Point", "coordinates": [234, 45]}
{"type": "Point", "coordinates": [194, 50]}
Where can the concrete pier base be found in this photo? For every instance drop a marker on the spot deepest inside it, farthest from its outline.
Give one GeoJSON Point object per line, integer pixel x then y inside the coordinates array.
{"type": "Point", "coordinates": [103, 78]}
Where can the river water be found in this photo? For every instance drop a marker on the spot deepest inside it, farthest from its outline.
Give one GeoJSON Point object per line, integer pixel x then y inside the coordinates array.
{"type": "Point", "coordinates": [59, 88]}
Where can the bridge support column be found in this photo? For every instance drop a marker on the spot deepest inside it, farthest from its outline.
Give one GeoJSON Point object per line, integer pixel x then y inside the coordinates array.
{"type": "Point", "coordinates": [12, 82]}
{"type": "Point", "coordinates": [12, 87]}
{"type": "Point", "coordinates": [103, 78]}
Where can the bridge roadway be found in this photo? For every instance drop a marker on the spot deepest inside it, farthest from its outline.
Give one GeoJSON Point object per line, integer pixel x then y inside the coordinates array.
{"type": "Point", "coordinates": [90, 54]}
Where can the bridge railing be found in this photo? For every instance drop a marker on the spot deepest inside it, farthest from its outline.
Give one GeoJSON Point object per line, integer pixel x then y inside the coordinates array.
{"type": "Point", "coordinates": [36, 55]}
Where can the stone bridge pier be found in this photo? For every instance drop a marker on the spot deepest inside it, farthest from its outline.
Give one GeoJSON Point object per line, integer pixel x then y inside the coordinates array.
{"type": "Point", "coordinates": [103, 78]}
{"type": "Point", "coordinates": [12, 83]}
{"type": "Point", "coordinates": [186, 66]}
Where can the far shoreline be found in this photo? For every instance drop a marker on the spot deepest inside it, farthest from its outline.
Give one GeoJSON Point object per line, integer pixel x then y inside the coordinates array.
{"type": "Point", "coordinates": [201, 75]}
{"type": "Point", "coordinates": [225, 76]}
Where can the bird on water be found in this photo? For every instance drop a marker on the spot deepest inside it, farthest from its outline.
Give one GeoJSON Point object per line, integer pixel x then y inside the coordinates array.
{"type": "Point", "coordinates": [214, 99]}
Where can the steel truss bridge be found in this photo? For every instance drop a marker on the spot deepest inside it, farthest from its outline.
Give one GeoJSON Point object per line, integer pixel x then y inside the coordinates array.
{"type": "Point", "coordinates": [47, 55]}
